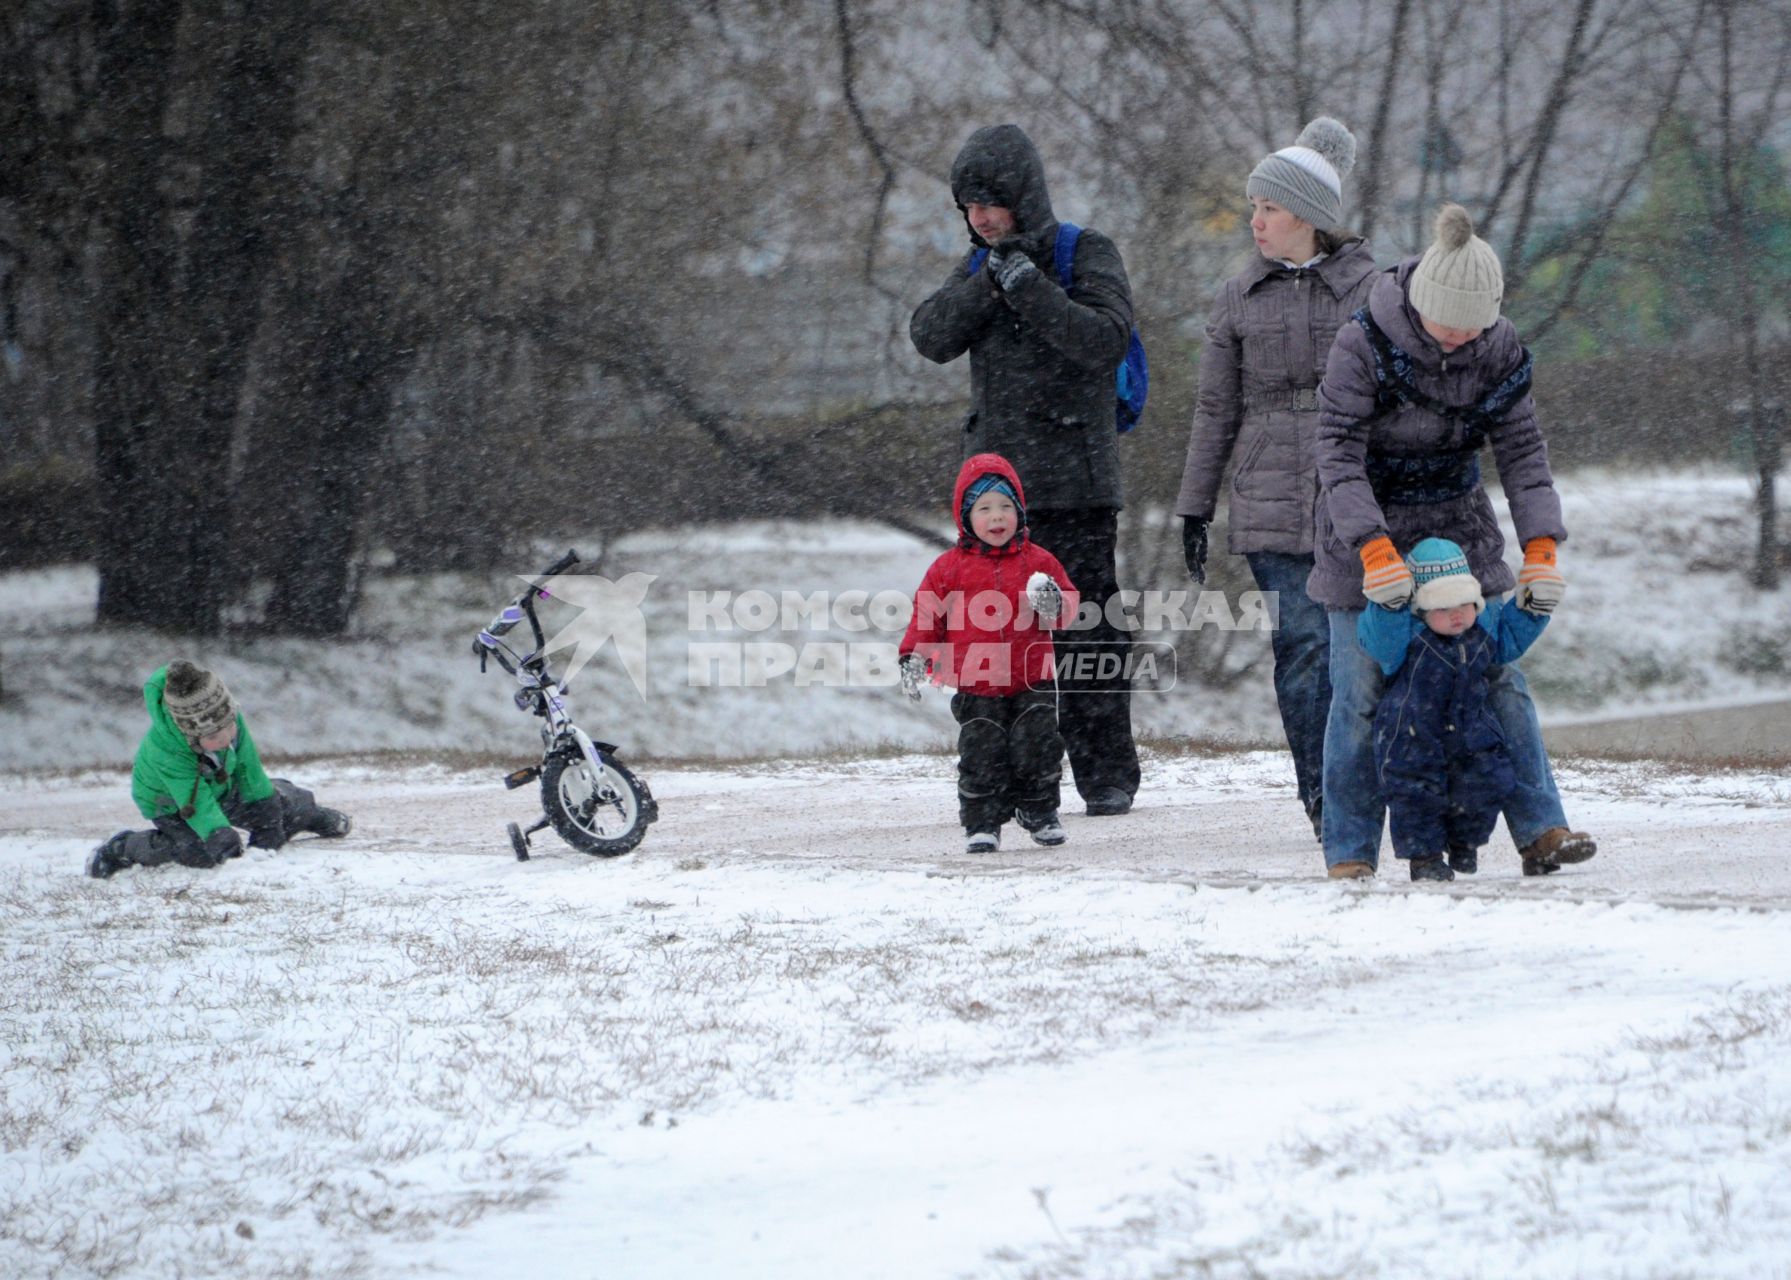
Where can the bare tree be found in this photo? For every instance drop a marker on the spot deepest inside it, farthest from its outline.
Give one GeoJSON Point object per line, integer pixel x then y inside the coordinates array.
{"type": "Point", "coordinates": [1369, 196]}
{"type": "Point", "coordinates": [394, 270]}
{"type": "Point", "coordinates": [1746, 107]}
{"type": "Point", "coordinates": [182, 225]}
{"type": "Point", "coordinates": [1589, 245]}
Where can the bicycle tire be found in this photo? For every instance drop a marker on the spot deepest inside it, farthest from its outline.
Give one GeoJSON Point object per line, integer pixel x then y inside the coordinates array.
{"type": "Point", "coordinates": [604, 817]}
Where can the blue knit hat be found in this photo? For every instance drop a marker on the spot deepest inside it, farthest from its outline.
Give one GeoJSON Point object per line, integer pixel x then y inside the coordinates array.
{"type": "Point", "coordinates": [1442, 577]}
{"type": "Point", "coordinates": [990, 483]}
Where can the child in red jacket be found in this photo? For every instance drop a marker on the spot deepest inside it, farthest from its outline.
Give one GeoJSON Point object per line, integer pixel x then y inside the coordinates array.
{"type": "Point", "coordinates": [979, 625]}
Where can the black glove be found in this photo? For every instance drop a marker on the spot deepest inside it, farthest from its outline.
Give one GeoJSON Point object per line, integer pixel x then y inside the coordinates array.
{"type": "Point", "coordinates": [269, 836]}
{"type": "Point", "coordinates": [265, 820]}
{"type": "Point", "coordinates": [1194, 547]}
{"type": "Point", "coordinates": [1009, 267]}
{"type": "Point", "coordinates": [221, 845]}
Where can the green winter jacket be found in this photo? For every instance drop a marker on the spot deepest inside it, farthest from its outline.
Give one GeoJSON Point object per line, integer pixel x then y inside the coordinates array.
{"type": "Point", "coordinates": [166, 777]}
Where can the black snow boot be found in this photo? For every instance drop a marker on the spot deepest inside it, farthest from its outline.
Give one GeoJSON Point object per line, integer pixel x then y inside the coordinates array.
{"type": "Point", "coordinates": [332, 824]}
{"type": "Point", "coordinates": [1044, 826]}
{"type": "Point", "coordinates": [982, 842]}
{"type": "Point", "coordinates": [1464, 862]}
{"type": "Point", "coordinates": [1108, 802]}
{"type": "Point", "coordinates": [109, 859]}
{"type": "Point", "coordinates": [1431, 868]}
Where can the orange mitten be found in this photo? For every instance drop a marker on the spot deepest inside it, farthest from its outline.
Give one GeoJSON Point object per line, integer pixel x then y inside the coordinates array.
{"type": "Point", "coordinates": [1540, 585]}
{"type": "Point", "coordinates": [1385, 578]}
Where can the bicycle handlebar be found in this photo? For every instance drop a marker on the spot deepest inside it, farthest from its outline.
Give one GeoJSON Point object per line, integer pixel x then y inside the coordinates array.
{"type": "Point", "coordinates": [517, 609]}
{"type": "Point", "coordinates": [560, 566]}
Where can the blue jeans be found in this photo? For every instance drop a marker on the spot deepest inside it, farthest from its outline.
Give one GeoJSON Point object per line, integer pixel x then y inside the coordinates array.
{"type": "Point", "coordinates": [1354, 811]}
{"type": "Point", "coordinates": [1301, 642]}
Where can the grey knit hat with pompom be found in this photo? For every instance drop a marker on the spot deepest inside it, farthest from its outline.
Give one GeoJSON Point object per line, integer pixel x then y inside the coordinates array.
{"type": "Point", "coordinates": [1458, 283]}
{"type": "Point", "coordinates": [197, 701]}
{"type": "Point", "coordinates": [1306, 179]}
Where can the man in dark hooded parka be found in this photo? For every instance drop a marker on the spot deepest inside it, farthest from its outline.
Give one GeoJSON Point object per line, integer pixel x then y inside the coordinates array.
{"type": "Point", "coordinates": [1042, 366]}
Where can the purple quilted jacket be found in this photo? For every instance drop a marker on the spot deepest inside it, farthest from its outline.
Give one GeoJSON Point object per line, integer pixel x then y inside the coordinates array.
{"type": "Point", "coordinates": [1266, 343]}
{"type": "Point", "coordinates": [1352, 440]}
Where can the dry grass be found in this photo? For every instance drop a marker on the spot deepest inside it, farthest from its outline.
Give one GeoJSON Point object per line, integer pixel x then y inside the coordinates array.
{"type": "Point", "coordinates": [1664, 762]}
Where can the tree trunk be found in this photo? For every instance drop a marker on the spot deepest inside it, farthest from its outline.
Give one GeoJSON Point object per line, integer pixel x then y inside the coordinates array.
{"type": "Point", "coordinates": [136, 63]}
{"type": "Point", "coordinates": [337, 398]}
{"type": "Point", "coordinates": [1370, 196]}
{"type": "Point", "coordinates": [1732, 191]}
{"type": "Point", "coordinates": [177, 325]}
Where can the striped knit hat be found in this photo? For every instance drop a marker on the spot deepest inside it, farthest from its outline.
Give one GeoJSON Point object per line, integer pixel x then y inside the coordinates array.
{"type": "Point", "coordinates": [1306, 179]}
{"type": "Point", "coordinates": [197, 701]}
{"type": "Point", "coordinates": [990, 483]}
{"type": "Point", "coordinates": [1442, 576]}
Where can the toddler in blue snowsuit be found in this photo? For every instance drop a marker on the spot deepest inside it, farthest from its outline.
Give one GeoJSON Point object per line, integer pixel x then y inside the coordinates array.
{"type": "Point", "coordinates": [1441, 756]}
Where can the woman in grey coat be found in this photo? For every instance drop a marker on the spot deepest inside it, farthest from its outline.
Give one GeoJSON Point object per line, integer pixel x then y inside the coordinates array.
{"type": "Point", "coordinates": [1420, 381]}
{"type": "Point", "coordinates": [1266, 342]}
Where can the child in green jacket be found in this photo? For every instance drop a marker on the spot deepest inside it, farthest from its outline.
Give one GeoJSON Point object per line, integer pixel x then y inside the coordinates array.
{"type": "Point", "coordinates": [197, 777]}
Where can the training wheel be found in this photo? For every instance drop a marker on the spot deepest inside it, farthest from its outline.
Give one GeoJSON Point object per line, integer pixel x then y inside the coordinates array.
{"type": "Point", "coordinates": [518, 842]}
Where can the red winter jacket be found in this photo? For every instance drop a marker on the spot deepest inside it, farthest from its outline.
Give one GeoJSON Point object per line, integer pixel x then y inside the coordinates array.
{"type": "Point", "coordinates": [972, 622]}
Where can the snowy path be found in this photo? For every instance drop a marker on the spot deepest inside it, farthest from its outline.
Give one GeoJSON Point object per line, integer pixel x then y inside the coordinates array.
{"type": "Point", "coordinates": [798, 1034]}
{"type": "Point", "coordinates": [1665, 836]}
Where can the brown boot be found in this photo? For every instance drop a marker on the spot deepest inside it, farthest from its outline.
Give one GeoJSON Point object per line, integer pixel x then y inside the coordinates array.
{"type": "Point", "coordinates": [1350, 871]}
{"type": "Point", "coordinates": [1556, 847]}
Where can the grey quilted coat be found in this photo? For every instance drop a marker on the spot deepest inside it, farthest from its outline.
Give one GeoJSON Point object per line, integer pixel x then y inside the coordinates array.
{"type": "Point", "coordinates": [1042, 361]}
{"type": "Point", "coordinates": [1266, 342]}
{"type": "Point", "coordinates": [1350, 436]}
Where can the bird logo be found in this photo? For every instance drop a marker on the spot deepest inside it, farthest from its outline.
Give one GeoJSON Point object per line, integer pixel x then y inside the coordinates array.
{"type": "Point", "coordinates": [608, 611]}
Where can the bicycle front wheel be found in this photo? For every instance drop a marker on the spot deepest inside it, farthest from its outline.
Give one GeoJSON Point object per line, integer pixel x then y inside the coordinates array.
{"type": "Point", "coordinates": [602, 812]}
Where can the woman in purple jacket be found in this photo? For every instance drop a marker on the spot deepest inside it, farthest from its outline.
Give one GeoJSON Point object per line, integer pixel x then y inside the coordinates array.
{"type": "Point", "coordinates": [1266, 343]}
{"type": "Point", "coordinates": [1425, 376]}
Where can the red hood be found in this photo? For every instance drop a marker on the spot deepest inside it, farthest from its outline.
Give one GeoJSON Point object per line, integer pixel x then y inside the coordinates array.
{"type": "Point", "coordinates": [974, 469]}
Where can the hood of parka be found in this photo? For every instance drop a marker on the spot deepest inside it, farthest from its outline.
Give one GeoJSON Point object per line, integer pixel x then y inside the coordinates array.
{"type": "Point", "coordinates": [1000, 166]}
{"type": "Point", "coordinates": [975, 468]}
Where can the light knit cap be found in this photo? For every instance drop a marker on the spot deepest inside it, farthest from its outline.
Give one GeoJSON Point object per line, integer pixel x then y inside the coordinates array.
{"type": "Point", "coordinates": [1442, 577]}
{"type": "Point", "coordinates": [197, 701]}
{"type": "Point", "coordinates": [1306, 179]}
{"type": "Point", "coordinates": [1458, 283]}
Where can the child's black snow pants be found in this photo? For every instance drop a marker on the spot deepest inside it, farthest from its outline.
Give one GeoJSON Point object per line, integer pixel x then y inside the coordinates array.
{"type": "Point", "coordinates": [1009, 756]}
{"type": "Point", "coordinates": [173, 840]}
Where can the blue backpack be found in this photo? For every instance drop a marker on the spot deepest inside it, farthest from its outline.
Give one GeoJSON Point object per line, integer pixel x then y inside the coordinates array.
{"type": "Point", "coordinates": [1131, 384]}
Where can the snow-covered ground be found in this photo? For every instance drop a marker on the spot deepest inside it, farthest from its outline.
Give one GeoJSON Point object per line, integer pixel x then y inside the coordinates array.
{"type": "Point", "coordinates": [797, 1034]}
{"type": "Point", "coordinates": [1658, 613]}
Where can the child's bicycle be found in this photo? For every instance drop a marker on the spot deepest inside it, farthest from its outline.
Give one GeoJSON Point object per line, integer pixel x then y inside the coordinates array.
{"type": "Point", "coordinates": [593, 801]}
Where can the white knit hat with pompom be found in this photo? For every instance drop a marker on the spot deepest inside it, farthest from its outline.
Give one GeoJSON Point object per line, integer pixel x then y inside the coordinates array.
{"type": "Point", "coordinates": [1458, 283]}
